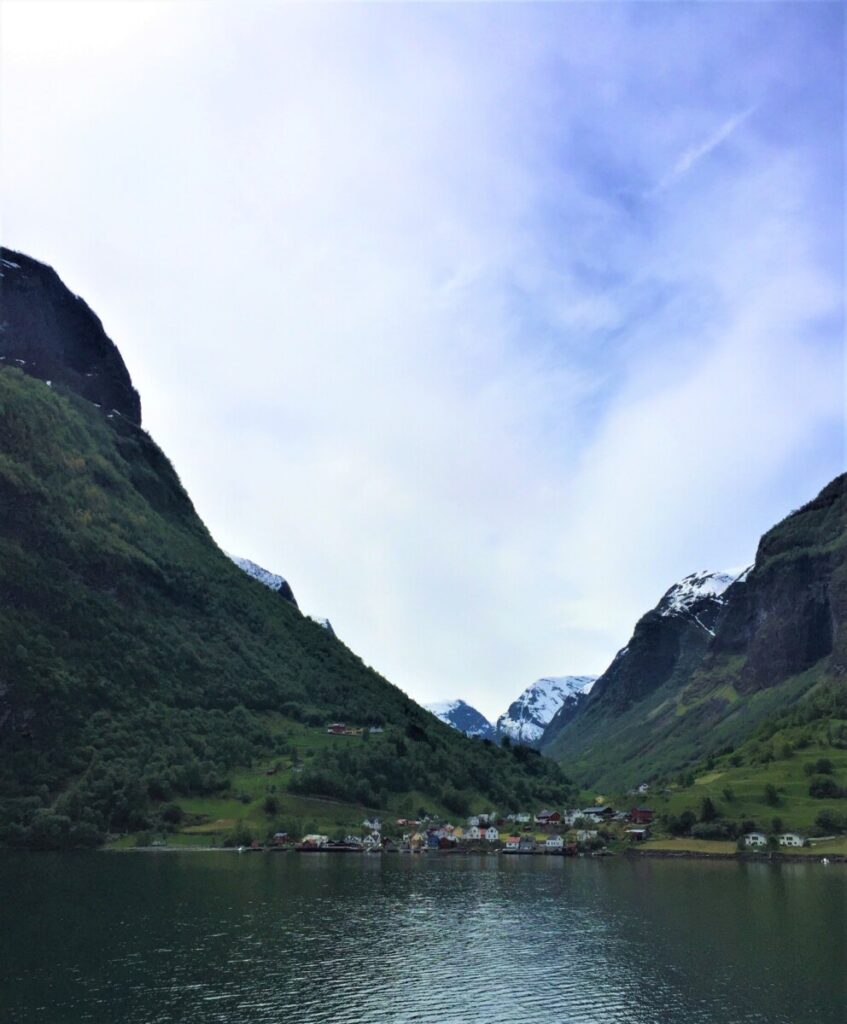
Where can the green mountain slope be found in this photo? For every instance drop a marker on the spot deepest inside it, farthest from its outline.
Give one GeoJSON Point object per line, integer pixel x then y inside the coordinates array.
{"type": "Point", "coordinates": [139, 665]}
{"type": "Point", "coordinates": [678, 693]}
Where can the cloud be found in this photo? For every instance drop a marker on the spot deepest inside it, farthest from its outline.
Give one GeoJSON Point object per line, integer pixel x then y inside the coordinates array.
{"type": "Point", "coordinates": [694, 154]}
{"type": "Point", "coordinates": [409, 328]}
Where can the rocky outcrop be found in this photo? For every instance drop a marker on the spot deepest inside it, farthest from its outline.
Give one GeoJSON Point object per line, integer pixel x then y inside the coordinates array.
{"type": "Point", "coordinates": [790, 610]}
{"type": "Point", "coordinates": [50, 333]}
{"type": "Point", "coordinates": [267, 578]}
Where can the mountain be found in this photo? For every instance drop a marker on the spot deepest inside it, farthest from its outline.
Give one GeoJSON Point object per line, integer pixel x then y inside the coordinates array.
{"type": "Point", "coordinates": [463, 717]}
{"type": "Point", "coordinates": [718, 657]}
{"type": "Point", "coordinates": [526, 718]}
{"type": "Point", "coordinates": [266, 578]}
{"type": "Point", "coordinates": [53, 334]}
{"type": "Point", "coordinates": [327, 625]}
{"type": "Point", "coordinates": [666, 644]}
{"type": "Point", "coordinates": [145, 680]}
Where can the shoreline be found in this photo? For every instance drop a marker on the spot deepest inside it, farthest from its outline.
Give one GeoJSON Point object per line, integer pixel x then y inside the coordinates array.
{"type": "Point", "coordinates": [742, 858]}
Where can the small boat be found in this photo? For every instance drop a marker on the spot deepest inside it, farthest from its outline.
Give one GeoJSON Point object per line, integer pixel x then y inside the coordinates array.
{"type": "Point", "coordinates": [825, 860]}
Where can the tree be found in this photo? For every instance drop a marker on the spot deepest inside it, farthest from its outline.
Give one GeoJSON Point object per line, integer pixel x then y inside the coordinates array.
{"type": "Point", "coordinates": [829, 821]}
{"type": "Point", "coordinates": [708, 810]}
{"type": "Point", "coordinates": [771, 795]}
{"type": "Point", "coordinates": [824, 787]}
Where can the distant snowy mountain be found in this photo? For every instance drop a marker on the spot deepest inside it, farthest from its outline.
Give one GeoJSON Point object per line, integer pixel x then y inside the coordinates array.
{"type": "Point", "coordinates": [266, 578]}
{"type": "Point", "coordinates": [526, 718]}
{"type": "Point", "coordinates": [463, 717]}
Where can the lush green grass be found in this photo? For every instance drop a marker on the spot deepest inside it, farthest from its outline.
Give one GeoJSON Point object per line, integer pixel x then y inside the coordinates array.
{"type": "Point", "coordinates": [765, 782]}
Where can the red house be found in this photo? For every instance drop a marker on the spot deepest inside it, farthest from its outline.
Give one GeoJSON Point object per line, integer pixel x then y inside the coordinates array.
{"type": "Point", "coordinates": [641, 815]}
{"type": "Point", "coordinates": [336, 729]}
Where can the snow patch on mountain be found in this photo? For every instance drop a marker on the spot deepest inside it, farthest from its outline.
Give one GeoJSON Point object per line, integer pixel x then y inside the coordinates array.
{"type": "Point", "coordinates": [462, 717]}
{"type": "Point", "coordinates": [683, 596]}
{"type": "Point", "coordinates": [271, 580]}
{"type": "Point", "coordinates": [327, 625]}
{"type": "Point", "coordinates": [526, 718]}
{"type": "Point", "coordinates": [268, 579]}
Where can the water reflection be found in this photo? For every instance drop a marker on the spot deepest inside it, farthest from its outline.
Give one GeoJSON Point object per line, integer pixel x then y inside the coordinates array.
{"type": "Point", "coordinates": [221, 937]}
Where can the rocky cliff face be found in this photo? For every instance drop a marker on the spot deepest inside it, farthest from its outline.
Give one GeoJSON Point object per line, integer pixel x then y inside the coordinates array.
{"type": "Point", "coordinates": [790, 610]}
{"type": "Point", "coordinates": [717, 655]}
{"type": "Point", "coordinates": [50, 333]}
{"type": "Point", "coordinates": [670, 639]}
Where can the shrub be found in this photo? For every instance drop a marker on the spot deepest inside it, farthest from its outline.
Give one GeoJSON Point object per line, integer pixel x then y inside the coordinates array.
{"type": "Point", "coordinates": [771, 795]}
{"type": "Point", "coordinates": [823, 787]}
{"type": "Point", "coordinates": [828, 821]}
{"type": "Point", "coordinates": [712, 830]}
{"type": "Point", "coordinates": [172, 814]}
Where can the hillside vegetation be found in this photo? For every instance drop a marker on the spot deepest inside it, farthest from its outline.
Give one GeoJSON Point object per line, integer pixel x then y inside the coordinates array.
{"type": "Point", "coordinates": [138, 665]}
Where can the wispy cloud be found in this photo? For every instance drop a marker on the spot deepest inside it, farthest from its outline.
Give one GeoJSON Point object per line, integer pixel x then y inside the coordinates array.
{"type": "Point", "coordinates": [694, 154]}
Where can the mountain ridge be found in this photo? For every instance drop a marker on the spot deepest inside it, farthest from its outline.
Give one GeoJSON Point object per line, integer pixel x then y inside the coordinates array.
{"type": "Point", "coordinates": [701, 673]}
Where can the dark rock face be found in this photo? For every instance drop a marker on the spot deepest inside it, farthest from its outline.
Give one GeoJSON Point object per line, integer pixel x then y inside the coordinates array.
{"type": "Point", "coordinates": [684, 682]}
{"type": "Point", "coordinates": [791, 610]}
{"type": "Point", "coordinates": [51, 334]}
{"type": "Point", "coordinates": [670, 640]}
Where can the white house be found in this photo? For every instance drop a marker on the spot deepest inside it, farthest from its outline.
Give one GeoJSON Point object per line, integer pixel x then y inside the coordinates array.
{"type": "Point", "coordinates": [585, 835]}
{"type": "Point", "coordinates": [474, 821]}
{"type": "Point", "coordinates": [491, 834]}
{"type": "Point", "coordinates": [791, 839]}
{"type": "Point", "coordinates": [570, 816]}
{"type": "Point", "coordinates": [522, 819]}
{"type": "Point", "coordinates": [554, 843]}
{"type": "Point", "coordinates": [513, 842]}
{"type": "Point", "coordinates": [473, 833]}
{"type": "Point", "coordinates": [374, 824]}
{"type": "Point", "coordinates": [755, 839]}
{"type": "Point", "coordinates": [372, 841]}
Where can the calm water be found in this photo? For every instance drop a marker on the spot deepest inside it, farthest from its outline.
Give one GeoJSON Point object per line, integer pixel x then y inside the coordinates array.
{"type": "Point", "coordinates": [207, 937]}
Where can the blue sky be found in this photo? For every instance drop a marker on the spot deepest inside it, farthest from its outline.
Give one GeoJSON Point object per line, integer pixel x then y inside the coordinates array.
{"type": "Point", "coordinates": [483, 324]}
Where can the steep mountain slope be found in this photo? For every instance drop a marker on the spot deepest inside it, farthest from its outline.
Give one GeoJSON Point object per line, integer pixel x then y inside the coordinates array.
{"type": "Point", "coordinates": [712, 661]}
{"type": "Point", "coordinates": [138, 664]}
{"type": "Point", "coordinates": [666, 645]}
{"type": "Point", "coordinates": [56, 337]}
{"type": "Point", "coordinates": [526, 718]}
{"type": "Point", "coordinates": [463, 717]}
{"type": "Point", "coordinates": [268, 579]}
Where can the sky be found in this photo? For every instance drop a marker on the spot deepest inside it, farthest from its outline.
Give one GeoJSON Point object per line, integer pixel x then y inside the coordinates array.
{"type": "Point", "coordinates": [480, 323]}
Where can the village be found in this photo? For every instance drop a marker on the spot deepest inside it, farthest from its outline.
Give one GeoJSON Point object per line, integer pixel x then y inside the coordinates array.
{"type": "Point", "coordinates": [547, 832]}
{"type": "Point", "coordinates": [598, 830]}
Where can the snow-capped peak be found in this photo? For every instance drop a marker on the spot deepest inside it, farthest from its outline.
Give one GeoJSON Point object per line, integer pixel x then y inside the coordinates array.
{"type": "Point", "coordinates": [461, 716]}
{"type": "Point", "coordinates": [684, 595]}
{"type": "Point", "coordinates": [528, 716]}
{"type": "Point", "coordinates": [269, 579]}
